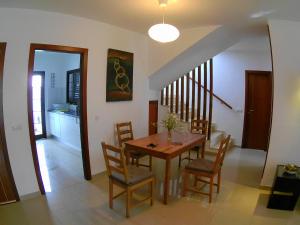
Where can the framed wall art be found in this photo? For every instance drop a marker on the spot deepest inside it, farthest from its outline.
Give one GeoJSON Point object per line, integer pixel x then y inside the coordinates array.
{"type": "Point", "coordinates": [119, 74]}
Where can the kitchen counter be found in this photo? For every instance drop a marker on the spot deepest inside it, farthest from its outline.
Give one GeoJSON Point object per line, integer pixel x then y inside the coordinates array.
{"type": "Point", "coordinates": [67, 113]}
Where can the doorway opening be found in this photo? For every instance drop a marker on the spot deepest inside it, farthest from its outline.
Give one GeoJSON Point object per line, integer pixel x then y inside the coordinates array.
{"type": "Point", "coordinates": [57, 115]}
{"type": "Point", "coordinates": [38, 104]}
{"type": "Point", "coordinates": [153, 117]}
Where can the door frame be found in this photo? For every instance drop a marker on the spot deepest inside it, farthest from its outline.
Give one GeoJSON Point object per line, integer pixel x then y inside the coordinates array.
{"type": "Point", "coordinates": [83, 106]}
{"type": "Point", "coordinates": [2, 128]}
{"type": "Point", "coordinates": [44, 134]}
{"type": "Point", "coordinates": [247, 72]}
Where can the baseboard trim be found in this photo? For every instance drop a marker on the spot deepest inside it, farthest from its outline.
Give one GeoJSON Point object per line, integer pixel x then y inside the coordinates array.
{"type": "Point", "coordinates": [30, 196]}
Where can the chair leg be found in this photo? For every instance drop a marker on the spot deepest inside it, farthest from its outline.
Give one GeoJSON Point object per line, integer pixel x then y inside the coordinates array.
{"type": "Point", "coordinates": [198, 150]}
{"type": "Point", "coordinates": [184, 183]}
{"type": "Point", "coordinates": [111, 193]}
{"type": "Point", "coordinates": [203, 150]}
{"type": "Point", "coordinates": [152, 191]}
{"type": "Point", "coordinates": [211, 183]}
{"type": "Point", "coordinates": [128, 199]}
{"type": "Point", "coordinates": [137, 162]}
{"type": "Point", "coordinates": [189, 156]}
{"type": "Point", "coordinates": [150, 162]}
{"type": "Point", "coordinates": [219, 181]}
{"type": "Point", "coordinates": [132, 161]}
{"type": "Point", "coordinates": [195, 181]}
{"type": "Point", "coordinates": [179, 162]}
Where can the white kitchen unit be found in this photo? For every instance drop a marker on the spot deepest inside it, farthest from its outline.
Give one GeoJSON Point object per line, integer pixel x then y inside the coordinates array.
{"type": "Point", "coordinates": [66, 128]}
{"type": "Point", "coordinates": [54, 122]}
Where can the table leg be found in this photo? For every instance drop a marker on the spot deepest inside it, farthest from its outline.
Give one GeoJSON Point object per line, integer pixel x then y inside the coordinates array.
{"type": "Point", "coordinates": [167, 180]}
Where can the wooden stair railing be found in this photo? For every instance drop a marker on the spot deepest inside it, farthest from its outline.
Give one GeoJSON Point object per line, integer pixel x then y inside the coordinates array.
{"type": "Point", "coordinates": [188, 100]}
{"type": "Point", "coordinates": [217, 97]}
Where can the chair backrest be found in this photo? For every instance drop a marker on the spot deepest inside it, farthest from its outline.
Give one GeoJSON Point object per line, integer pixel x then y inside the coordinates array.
{"type": "Point", "coordinates": [115, 160]}
{"type": "Point", "coordinates": [124, 132]}
{"type": "Point", "coordinates": [199, 126]}
{"type": "Point", "coordinates": [221, 153]}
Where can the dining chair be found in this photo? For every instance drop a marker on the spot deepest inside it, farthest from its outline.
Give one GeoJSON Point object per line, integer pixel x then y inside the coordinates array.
{"type": "Point", "coordinates": [199, 127]}
{"type": "Point", "coordinates": [201, 167]}
{"type": "Point", "coordinates": [128, 177]}
{"type": "Point", "coordinates": [125, 133]}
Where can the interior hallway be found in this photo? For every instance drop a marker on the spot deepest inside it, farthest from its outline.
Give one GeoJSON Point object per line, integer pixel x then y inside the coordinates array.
{"type": "Point", "coordinates": [86, 203]}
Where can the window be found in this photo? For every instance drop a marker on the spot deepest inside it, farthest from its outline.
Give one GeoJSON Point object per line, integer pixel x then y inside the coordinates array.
{"type": "Point", "coordinates": [73, 86]}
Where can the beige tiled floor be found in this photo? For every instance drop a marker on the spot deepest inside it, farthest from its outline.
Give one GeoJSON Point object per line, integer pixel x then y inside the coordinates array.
{"type": "Point", "coordinates": [60, 164]}
{"type": "Point", "coordinates": [85, 203]}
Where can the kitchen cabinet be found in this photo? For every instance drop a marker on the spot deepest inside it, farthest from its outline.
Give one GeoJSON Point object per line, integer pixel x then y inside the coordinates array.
{"type": "Point", "coordinates": [66, 128]}
{"type": "Point", "coordinates": [70, 130]}
{"type": "Point", "coordinates": [54, 121]}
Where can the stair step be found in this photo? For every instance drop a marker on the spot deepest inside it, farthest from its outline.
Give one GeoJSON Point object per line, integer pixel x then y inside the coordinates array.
{"type": "Point", "coordinates": [214, 150]}
{"type": "Point", "coordinates": [215, 139]}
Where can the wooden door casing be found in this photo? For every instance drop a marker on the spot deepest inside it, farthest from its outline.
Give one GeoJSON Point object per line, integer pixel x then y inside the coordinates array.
{"type": "Point", "coordinates": [8, 190]}
{"type": "Point", "coordinates": [153, 117]}
{"type": "Point", "coordinates": [83, 107]}
{"type": "Point", "coordinates": [258, 110]}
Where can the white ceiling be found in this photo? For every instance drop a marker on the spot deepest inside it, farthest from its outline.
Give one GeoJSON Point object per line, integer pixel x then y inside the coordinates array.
{"type": "Point", "coordinates": [139, 15]}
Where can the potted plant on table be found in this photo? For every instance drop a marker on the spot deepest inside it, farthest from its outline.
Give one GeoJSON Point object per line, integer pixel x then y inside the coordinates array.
{"type": "Point", "coordinates": [171, 122]}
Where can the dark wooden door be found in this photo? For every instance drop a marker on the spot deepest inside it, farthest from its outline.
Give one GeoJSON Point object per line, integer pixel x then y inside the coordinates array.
{"type": "Point", "coordinates": [258, 110]}
{"type": "Point", "coordinates": [8, 191]}
{"type": "Point", "coordinates": [153, 116]}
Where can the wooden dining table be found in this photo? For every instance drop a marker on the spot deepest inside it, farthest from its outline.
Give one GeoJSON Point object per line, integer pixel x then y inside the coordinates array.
{"type": "Point", "coordinates": [160, 146]}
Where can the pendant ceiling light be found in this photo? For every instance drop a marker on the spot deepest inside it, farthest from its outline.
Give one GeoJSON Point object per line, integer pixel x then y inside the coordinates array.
{"type": "Point", "coordinates": [163, 32]}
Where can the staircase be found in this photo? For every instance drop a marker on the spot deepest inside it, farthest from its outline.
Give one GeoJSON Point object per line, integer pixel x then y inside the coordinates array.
{"type": "Point", "coordinates": [191, 97]}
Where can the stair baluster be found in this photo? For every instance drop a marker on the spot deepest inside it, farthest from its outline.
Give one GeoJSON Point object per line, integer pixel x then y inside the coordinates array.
{"type": "Point", "coordinates": [205, 92]}
{"type": "Point", "coordinates": [182, 98]}
{"type": "Point", "coordinates": [167, 95]}
{"type": "Point", "coordinates": [199, 94]}
{"type": "Point", "coordinates": [210, 98]}
{"type": "Point", "coordinates": [172, 97]}
{"type": "Point", "coordinates": [193, 94]}
{"type": "Point", "coordinates": [187, 102]}
{"type": "Point", "coordinates": [177, 95]}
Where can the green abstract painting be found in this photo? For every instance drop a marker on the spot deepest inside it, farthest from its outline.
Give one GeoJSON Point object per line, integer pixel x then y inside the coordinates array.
{"type": "Point", "coordinates": [119, 76]}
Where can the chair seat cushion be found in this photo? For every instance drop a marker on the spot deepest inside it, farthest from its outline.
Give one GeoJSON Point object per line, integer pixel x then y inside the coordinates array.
{"type": "Point", "coordinates": [137, 154]}
{"type": "Point", "coordinates": [135, 175]}
{"type": "Point", "coordinates": [201, 165]}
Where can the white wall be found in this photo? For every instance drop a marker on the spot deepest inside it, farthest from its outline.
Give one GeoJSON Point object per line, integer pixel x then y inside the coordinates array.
{"type": "Point", "coordinates": [212, 42]}
{"type": "Point", "coordinates": [229, 82]}
{"type": "Point", "coordinates": [19, 28]}
{"type": "Point", "coordinates": [284, 143]}
{"type": "Point", "coordinates": [57, 63]}
{"type": "Point", "coordinates": [160, 54]}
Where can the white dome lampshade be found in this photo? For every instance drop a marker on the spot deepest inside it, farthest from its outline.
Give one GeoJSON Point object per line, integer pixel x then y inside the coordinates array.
{"type": "Point", "coordinates": [163, 32]}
